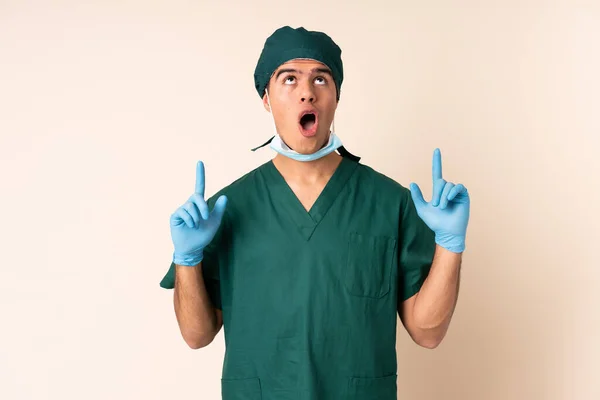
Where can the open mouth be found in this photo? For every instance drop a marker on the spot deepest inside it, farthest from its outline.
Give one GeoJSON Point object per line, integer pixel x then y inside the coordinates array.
{"type": "Point", "coordinates": [308, 122]}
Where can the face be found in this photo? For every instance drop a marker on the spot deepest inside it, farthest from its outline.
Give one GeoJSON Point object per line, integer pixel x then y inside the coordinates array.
{"type": "Point", "coordinates": [303, 103]}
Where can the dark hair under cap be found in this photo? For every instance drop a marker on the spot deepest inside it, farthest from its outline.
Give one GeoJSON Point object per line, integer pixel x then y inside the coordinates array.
{"type": "Point", "coordinates": [287, 44]}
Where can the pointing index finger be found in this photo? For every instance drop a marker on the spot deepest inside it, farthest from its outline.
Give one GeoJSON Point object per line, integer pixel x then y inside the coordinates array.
{"type": "Point", "coordinates": [437, 165]}
{"type": "Point", "coordinates": [200, 178]}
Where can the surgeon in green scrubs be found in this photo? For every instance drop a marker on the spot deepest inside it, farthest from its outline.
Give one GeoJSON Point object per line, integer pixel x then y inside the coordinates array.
{"type": "Point", "coordinates": [307, 260]}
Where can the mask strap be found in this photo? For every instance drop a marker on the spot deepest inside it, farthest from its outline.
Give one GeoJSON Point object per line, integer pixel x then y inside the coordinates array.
{"type": "Point", "coordinates": [264, 144]}
{"type": "Point", "coordinates": [345, 153]}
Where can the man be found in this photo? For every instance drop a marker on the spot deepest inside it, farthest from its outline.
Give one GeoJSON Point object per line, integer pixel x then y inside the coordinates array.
{"type": "Point", "coordinates": [306, 260]}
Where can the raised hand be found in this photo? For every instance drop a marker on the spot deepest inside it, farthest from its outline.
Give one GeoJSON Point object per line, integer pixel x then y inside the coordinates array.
{"type": "Point", "coordinates": [192, 225]}
{"type": "Point", "coordinates": [447, 214]}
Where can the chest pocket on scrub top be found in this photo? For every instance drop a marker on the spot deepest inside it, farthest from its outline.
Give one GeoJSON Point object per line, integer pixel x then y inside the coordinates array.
{"type": "Point", "coordinates": [369, 263]}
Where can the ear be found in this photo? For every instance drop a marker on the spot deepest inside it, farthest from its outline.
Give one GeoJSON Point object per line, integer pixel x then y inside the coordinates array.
{"type": "Point", "coordinates": [266, 103]}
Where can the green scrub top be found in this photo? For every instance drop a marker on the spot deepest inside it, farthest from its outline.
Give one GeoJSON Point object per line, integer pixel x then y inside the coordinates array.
{"type": "Point", "coordinates": [310, 299]}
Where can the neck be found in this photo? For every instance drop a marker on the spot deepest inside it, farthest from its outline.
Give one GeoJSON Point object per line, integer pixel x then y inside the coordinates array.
{"type": "Point", "coordinates": [307, 171]}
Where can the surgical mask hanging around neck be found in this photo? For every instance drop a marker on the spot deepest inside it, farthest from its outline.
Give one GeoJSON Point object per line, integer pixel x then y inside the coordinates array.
{"type": "Point", "coordinates": [280, 147]}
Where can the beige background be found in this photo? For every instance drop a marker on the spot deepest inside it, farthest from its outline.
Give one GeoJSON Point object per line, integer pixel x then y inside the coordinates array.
{"type": "Point", "coordinates": [106, 106]}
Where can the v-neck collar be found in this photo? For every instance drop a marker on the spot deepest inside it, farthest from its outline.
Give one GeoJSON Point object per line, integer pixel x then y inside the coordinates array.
{"type": "Point", "coordinates": [307, 221]}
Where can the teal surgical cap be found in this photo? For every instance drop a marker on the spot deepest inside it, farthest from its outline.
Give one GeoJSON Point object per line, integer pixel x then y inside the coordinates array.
{"type": "Point", "coordinates": [287, 44]}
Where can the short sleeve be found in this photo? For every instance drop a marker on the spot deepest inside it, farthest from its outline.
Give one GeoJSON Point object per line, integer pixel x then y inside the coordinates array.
{"type": "Point", "coordinates": [210, 263]}
{"type": "Point", "coordinates": [416, 249]}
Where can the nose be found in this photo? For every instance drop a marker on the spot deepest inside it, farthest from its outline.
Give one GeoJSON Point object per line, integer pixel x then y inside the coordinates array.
{"type": "Point", "coordinates": [309, 99]}
{"type": "Point", "coordinates": [307, 94]}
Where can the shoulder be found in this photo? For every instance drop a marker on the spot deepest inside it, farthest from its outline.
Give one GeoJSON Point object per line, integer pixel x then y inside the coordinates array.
{"type": "Point", "coordinates": [240, 186]}
{"type": "Point", "coordinates": [381, 183]}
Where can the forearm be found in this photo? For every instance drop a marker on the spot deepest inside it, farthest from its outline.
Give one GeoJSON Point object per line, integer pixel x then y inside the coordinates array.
{"type": "Point", "coordinates": [435, 303]}
{"type": "Point", "coordinates": [195, 313]}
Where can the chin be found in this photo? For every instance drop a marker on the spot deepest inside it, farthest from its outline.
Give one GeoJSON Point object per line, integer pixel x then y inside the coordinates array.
{"type": "Point", "coordinates": [305, 148]}
{"type": "Point", "coordinates": [309, 145]}
{"type": "Point", "coordinates": [306, 144]}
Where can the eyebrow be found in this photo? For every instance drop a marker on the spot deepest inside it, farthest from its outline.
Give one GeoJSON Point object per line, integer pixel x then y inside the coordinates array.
{"type": "Point", "coordinates": [295, 71]}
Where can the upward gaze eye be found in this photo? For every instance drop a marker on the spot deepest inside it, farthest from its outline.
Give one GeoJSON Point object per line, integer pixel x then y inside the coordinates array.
{"type": "Point", "coordinates": [290, 80]}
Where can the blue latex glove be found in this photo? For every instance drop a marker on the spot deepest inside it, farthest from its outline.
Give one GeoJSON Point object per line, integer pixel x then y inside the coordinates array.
{"type": "Point", "coordinates": [192, 225]}
{"type": "Point", "coordinates": [447, 215]}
